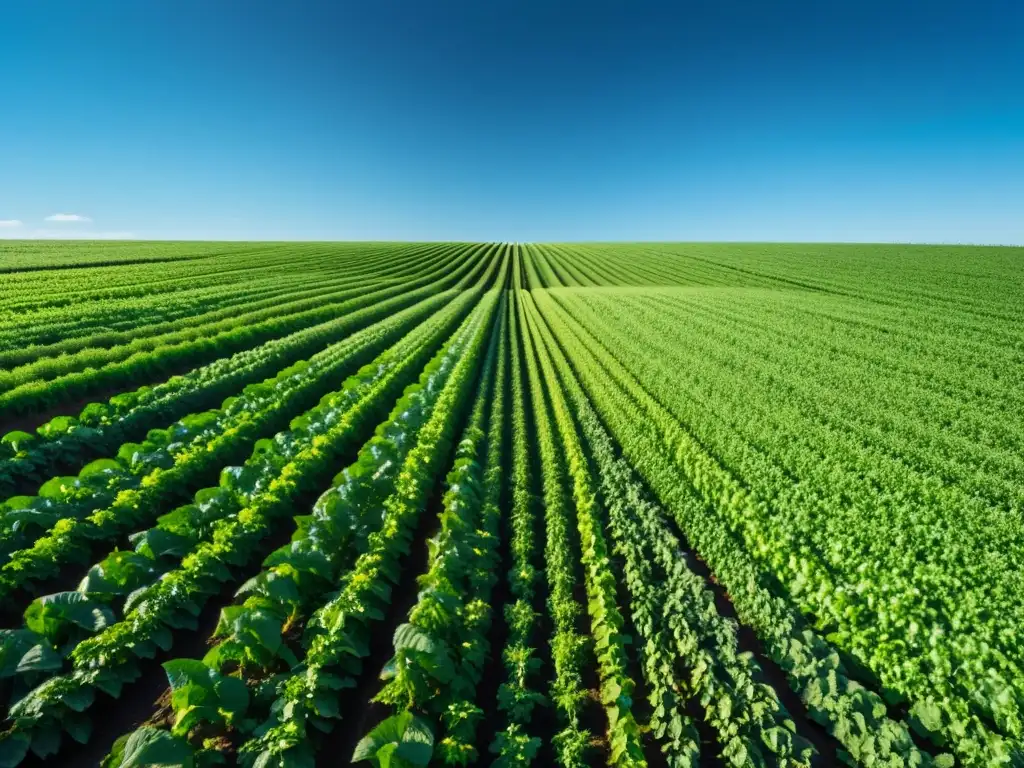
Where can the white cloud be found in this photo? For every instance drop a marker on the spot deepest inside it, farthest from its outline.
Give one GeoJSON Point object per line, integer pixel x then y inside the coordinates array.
{"type": "Point", "coordinates": [63, 234]}
{"type": "Point", "coordinates": [67, 217]}
{"type": "Point", "coordinates": [9, 223]}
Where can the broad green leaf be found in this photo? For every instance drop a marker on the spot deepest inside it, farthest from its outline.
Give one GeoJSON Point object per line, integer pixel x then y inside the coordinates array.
{"type": "Point", "coordinates": [13, 750]}
{"type": "Point", "coordinates": [98, 466]}
{"type": "Point", "coordinates": [233, 695]}
{"type": "Point", "coordinates": [181, 672]}
{"type": "Point", "coordinates": [39, 658]}
{"type": "Point", "coordinates": [401, 741]}
{"type": "Point", "coordinates": [156, 748]}
{"type": "Point", "coordinates": [58, 488]}
{"type": "Point", "coordinates": [48, 615]}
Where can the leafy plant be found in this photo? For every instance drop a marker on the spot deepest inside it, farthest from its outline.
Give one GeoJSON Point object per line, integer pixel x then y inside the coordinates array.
{"type": "Point", "coordinates": [401, 741]}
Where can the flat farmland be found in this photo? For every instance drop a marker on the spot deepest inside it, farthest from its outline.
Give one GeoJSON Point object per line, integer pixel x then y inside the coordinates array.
{"type": "Point", "coordinates": [452, 504]}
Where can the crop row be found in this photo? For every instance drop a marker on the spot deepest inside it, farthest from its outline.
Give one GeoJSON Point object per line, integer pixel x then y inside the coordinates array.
{"type": "Point", "coordinates": [210, 539]}
{"type": "Point", "coordinates": [113, 496]}
{"type": "Point", "coordinates": [869, 597]}
{"type": "Point", "coordinates": [676, 617]}
{"type": "Point", "coordinates": [203, 310]}
{"type": "Point", "coordinates": [660, 449]}
{"type": "Point", "coordinates": [521, 505]}
{"type": "Point", "coordinates": [292, 686]}
{"type": "Point", "coordinates": [127, 416]}
{"type": "Point", "coordinates": [27, 392]}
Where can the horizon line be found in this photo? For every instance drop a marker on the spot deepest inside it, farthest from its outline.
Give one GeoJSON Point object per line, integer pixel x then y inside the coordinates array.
{"type": "Point", "coordinates": [944, 243]}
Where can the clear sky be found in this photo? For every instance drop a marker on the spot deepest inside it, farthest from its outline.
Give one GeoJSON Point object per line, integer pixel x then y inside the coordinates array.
{"type": "Point", "coordinates": [514, 119]}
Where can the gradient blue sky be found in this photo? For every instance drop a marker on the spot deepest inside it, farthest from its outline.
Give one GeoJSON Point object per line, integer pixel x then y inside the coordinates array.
{"type": "Point", "coordinates": [514, 119]}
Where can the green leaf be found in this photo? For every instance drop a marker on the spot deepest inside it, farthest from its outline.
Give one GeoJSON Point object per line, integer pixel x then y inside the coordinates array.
{"type": "Point", "coordinates": [433, 653]}
{"type": "Point", "coordinates": [98, 466]}
{"type": "Point", "coordinates": [162, 542]}
{"type": "Point", "coordinates": [163, 638]}
{"type": "Point", "coordinates": [725, 707]}
{"type": "Point", "coordinates": [128, 451]}
{"type": "Point", "coordinates": [415, 752]}
{"type": "Point", "coordinates": [137, 598]}
{"type": "Point", "coordinates": [155, 748]}
{"type": "Point", "coordinates": [79, 699]}
{"type": "Point", "coordinates": [207, 495]}
{"type": "Point", "coordinates": [110, 685]}
{"type": "Point", "coordinates": [93, 414]}
{"type": "Point", "coordinates": [46, 739]}
{"type": "Point", "coordinates": [58, 488]}
{"type": "Point", "coordinates": [13, 749]}
{"type": "Point", "coordinates": [49, 615]}
{"type": "Point", "coordinates": [928, 715]}
{"type": "Point", "coordinates": [17, 439]}
{"type": "Point", "coordinates": [79, 726]}
{"type": "Point", "coordinates": [401, 741]}
{"type": "Point", "coordinates": [21, 652]}
{"type": "Point", "coordinates": [39, 658]}
{"type": "Point", "coordinates": [326, 705]}
{"type": "Point", "coordinates": [181, 672]}
{"type": "Point", "coordinates": [57, 426]}
{"type": "Point", "coordinates": [233, 695]}
{"type": "Point", "coordinates": [263, 626]}
{"type": "Point", "coordinates": [120, 573]}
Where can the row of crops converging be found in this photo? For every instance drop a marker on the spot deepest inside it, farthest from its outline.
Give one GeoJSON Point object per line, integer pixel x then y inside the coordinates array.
{"type": "Point", "coordinates": [494, 504]}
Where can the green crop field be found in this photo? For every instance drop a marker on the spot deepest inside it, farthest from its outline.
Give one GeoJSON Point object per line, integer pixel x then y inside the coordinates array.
{"type": "Point", "coordinates": [451, 504]}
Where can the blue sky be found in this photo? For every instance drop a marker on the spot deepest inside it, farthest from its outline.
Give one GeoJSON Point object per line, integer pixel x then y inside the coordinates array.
{"type": "Point", "coordinates": [514, 120]}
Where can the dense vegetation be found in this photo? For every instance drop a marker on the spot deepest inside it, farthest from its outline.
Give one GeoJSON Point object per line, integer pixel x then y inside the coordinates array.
{"type": "Point", "coordinates": [492, 504]}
